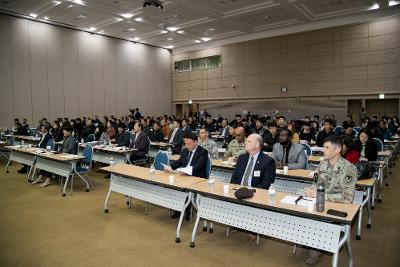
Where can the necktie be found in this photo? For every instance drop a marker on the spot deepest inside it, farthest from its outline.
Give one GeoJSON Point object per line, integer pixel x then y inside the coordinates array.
{"type": "Point", "coordinates": [188, 159]}
{"type": "Point", "coordinates": [247, 173]}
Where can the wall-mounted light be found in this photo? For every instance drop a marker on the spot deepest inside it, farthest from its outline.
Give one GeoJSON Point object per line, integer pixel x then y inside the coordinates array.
{"type": "Point", "coordinates": [190, 102]}
{"type": "Point", "coordinates": [381, 96]}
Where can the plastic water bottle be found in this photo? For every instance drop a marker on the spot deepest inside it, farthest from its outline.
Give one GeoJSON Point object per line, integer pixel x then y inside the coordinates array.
{"type": "Point", "coordinates": [82, 140]}
{"type": "Point", "coordinates": [109, 143]}
{"type": "Point", "coordinates": [320, 203]}
{"type": "Point", "coordinates": [169, 153]}
{"type": "Point", "coordinates": [152, 171]}
{"type": "Point", "coordinates": [22, 143]}
{"type": "Point", "coordinates": [272, 193]}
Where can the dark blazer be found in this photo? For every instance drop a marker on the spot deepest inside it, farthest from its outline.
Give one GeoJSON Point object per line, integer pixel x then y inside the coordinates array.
{"type": "Point", "coordinates": [123, 139]}
{"type": "Point", "coordinates": [58, 134]}
{"type": "Point", "coordinates": [264, 164]}
{"type": "Point", "coordinates": [70, 145]}
{"type": "Point", "coordinates": [44, 139]}
{"type": "Point", "coordinates": [141, 144]}
{"type": "Point", "coordinates": [199, 161]}
{"type": "Point", "coordinates": [156, 136]}
{"type": "Point", "coordinates": [177, 141]}
{"type": "Point", "coordinates": [371, 150]}
{"type": "Point", "coordinates": [321, 136]}
{"type": "Point", "coordinates": [186, 130]}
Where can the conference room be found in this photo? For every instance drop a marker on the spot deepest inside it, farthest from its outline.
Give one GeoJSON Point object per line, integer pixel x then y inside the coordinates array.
{"type": "Point", "coordinates": [199, 132]}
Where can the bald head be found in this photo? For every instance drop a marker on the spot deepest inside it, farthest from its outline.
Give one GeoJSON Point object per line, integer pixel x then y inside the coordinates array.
{"type": "Point", "coordinates": [254, 144]}
{"type": "Point", "coordinates": [239, 134]}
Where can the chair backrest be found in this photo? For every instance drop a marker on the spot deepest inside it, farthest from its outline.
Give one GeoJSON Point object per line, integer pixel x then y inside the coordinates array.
{"type": "Point", "coordinates": [307, 148]}
{"type": "Point", "coordinates": [161, 157]}
{"type": "Point", "coordinates": [339, 130]}
{"type": "Point", "coordinates": [50, 143]}
{"type": "Point", "coordinates": [305, 151]}
{"type": "Point", "coordinates": [88, 154]}
{"type": "Point", "coordinates": [91, 138]}
{"type": "Point", "coordinates": [358, 129]}
{"type": "Point", "coordinates": [379, 144]}
{"type": "Point", "coordinates": [32, 131]}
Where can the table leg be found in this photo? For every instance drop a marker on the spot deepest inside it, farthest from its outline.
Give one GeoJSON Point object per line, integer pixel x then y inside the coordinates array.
{"type": "Point", "coordinates": [196, 224]}
{"type": "Point", "coordinates": [178, 229]}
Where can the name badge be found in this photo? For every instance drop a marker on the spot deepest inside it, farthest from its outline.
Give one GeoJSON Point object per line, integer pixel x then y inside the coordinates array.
{"type": "Point", "coordinates": [257, 173]}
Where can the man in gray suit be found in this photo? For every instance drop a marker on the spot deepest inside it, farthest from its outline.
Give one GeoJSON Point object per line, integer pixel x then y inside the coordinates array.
{"type": "Point", "coordinates": [69, 143]}
{"type": "Point", "coordinates": [285, 153]}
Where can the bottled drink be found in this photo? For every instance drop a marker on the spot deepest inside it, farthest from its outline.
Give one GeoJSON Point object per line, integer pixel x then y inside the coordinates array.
{"type": "Point", "coordinates": [320, 203]}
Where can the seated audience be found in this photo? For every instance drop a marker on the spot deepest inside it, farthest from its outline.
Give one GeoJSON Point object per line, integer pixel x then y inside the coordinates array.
{"type": "Point", "coordinates": [140, 142]}
{"type": "Point", "coordinates": [207, 143]}
{"type": "Point", "coordinates": [237, 146]}
{"type": "Point", "coordinates": [367, 145]}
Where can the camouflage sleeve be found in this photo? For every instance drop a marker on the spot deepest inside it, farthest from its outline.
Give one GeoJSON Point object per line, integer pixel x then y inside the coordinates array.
{"type": "Point", "coordinates": [214, 151]}
{"type": "Point", "coordinates": [344, 192]}
{"type": "Point", "coordinates": [318, 178]}
{"type": "Point", "coordinates": [228, 152]}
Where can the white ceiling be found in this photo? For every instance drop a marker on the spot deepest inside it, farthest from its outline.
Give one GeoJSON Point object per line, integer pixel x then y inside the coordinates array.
{"type": "Point", "coordinates": [217, 20]}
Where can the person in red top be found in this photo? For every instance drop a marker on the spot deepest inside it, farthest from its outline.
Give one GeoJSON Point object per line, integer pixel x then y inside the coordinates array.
{"type": "Point", "coordinates": [350, 150]}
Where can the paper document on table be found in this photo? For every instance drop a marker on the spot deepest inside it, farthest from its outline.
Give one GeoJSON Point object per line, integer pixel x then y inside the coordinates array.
{"type": "Point", "coordinates": [303, 201]}
{"type": "Point", "coordinates": [69, 156]}
{"type": "Point", "coordinates": [188, 170]}
{"type": "Point", "coordinates": [168, 168]}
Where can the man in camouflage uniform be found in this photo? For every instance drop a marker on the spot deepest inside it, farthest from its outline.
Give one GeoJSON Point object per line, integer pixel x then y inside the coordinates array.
{"type": "Point", "coordinates": [208, 144]}
{"type": "Point", "coordinates": [337, 175]}
{"type": "Point", "coordinates": [237, 146]}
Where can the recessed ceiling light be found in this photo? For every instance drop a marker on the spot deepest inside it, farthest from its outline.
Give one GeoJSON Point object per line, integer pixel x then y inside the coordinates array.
{"type": "Point", "coordinates": [33, 15]}
{"type": "Point", "coordinates": [205, 39]}
{"type": "Point", "coordinates": [181, 32]}
{"type": "Point", "coordinates": [169, 39]}
{"type": "Point", "coordinates": [374, 6]}
{"type": "Point", "coordinates": [71, 6]}
{"type": "Point", "coordinates": [136, 39]}
{"type": "Point", "coordinates": [170, 46]}
{"type": "Point", "coordinates": [118, 19]}
{"type": "Point", "coordinates": [131, 29]}
{"type": "Point", "coordinates": [102, 31]}
{"type": "Point", "coordinates": [46, 18]}
{"type": "Point", "coordinates": [92, 28]}
{"type": "Point", "coordinates": [127, 15]}
{"type": "Point", "coordinates": [394, 3]}
{"type": "Point", "coordinates": [212, 29]}
{"type": "Point", "coordinates": [172, 29]}
{"type": "Point", "coordinates": [79, 2]}
{"type": "Point", "coordinates": [164, 31]}
{"type": "Point", "coordinates": [197, 41]}
{"type": "Point", "coordinates": [57, 2]}
{"type": "Point", "coordinates": [139, 19]}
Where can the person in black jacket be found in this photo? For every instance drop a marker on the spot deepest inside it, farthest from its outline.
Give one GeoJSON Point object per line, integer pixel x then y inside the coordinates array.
{"type": "Point", "coordinates": [175, 137]}
{"type": "Point", "coordinates": [20, 130]}
{"type": "Point", "coordinates": [367, 146]}
{"type": "Point", "coordinates": [327, 131]}
{"type": "Point", "coordinates": [156, 134]}
{"type": "Point", "coordinates": [123, 137]}
{"type": "Point", "coordinates": [57, 132]}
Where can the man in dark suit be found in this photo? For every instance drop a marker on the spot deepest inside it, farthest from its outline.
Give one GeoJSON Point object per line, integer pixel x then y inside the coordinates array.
{"type": "Point", "coordinates": [156, 134]}
{"type": "Point", "coordinates": [185, 127]}
{"type": "Point", "coordinates": [175, 137]}
{"type": "Point", "coordinates": [139, 141]}
{"type": "Point", "coordinates": [194, 156]}
{"type": "Point", "coordinates": [224, 130]}
{"type": "Point", "coordinates": [254, 169]}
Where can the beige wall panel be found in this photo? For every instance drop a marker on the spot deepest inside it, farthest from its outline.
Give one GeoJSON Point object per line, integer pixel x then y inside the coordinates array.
{"type": "Point", "coordinates": [353, 86]}
{"type": "Point", "coordinates": [20, 68]}
{"type": "Point", "coordinates": [181, 76]}
{"type": "Point", "coordinates": [182, 86]}
{"type": "Point", "coordinates": [383, 57]}
{"type": "Point", "coordinates": [214, 73]}
{"type": "Point", "coordinates": [227, 61]}
{"type": "Point", "coordinates": [110, 77]}
{"type": "Point", "coordinates": [194, 54]}
{"type": "Point", "coordinates": [318, 50]}
{"type": "Point", "coordinates": [228, 92]}
{"type": "Point", "coordinates": [269, 44]}
{"type": "Point", "coordinates": [384, 26]}
{"type": "Point", "coordinates": [355, 45]}
{"type": "Point", "coordinates": [321, 63]}
{"type": "Point", "coordinates": [298, 40]}
{"type": "Point", "coordinates": [70, 67]}
{"type": "Point", "coordinates": [98, 76]}
{"type": "Point", "coordinates": [85, 74]}
{"type": "Point", "coordinates": [271, 90]}
{"type": "Point", "coordinates": [355, 31]}
{"type": "Point", "coordinates": [195, 85]}
{"type": "Point", "coordinates": [213, 83]}
{"type": "Point", "coordinates": [212, 93]}
{"type": "Point", "coordinates": [382, 71]}
{"type": "Point", "coordinates": [354, 73]}
{"type": "Point", "coordinates": [321, 36]}
{"type": "Point", "coordinates": [382, 85]}
{"type": "Point", "coordinates": [195, 75]}
{"type": "Point", "coordinates": [121, 81]}
{"type": "Point", "coordinates": [6, 92]}
{"type": "Point", "coordinates": [55, 71]}
{"type": "Point", "coordinates": [354, 59]}
{"type": "Point", "coordinates": [322, 88]}
{"type": "Point", "coordinates": [195, 94]}
{"type": "Point", "coordinates": [321, 75]}
{"type": "Point", "coordinates": [211, 52]}
{"type": "Point", "coordinates": [382, 42]}
{"type": "Point", "coordinates": [229, 72]}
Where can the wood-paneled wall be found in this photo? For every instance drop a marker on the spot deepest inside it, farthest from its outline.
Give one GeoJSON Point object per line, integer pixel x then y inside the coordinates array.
{"type": "Point", "coordinates": [353, 60]}
{"type": "Point", "coordinates": [49, 71]}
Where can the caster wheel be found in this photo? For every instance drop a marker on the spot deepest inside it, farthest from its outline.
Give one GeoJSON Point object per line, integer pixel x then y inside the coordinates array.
{"type": "Point", "coordinates": [369, 226]}
{"type": "Point", "coordinates": [204, 229]}
{"type": "Point", "coordinates": [87, 190]}
{"type": "Point", "coordinates": [387, 184]}
{"type": "Point", "coordinates": [211, 230]}
{"type": "Point", "coordinates": [177, 240]}
{"type": "Point", "coordinates": [106, 211]}
{"type": "Point", "coordinates": [127, 203]}
{"type": "Point", "coordinates": [64, 195]}
{"type": "Point", "coordinates": [379, 200]}
{"type": "Point", "coordinates": [372, 208]}
{"type": "Point", "coordinates": [7, 172]}
{"type": "Point", "coordinates": [192, 244]}
{"type": "Point", "coordinates": [390, 172]}
{"type": "Point", "coordinates": [358, 237]}
{"type": "Point", "coordinates": [30, 181]}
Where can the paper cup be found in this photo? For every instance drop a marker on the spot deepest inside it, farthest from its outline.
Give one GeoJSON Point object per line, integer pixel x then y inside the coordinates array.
{"type": "Point", "coordinates": [285, 170]}
{"type": "Point", "coordinates": [171, 179]}
{"type": "Point", "coordinates": [226, 189]}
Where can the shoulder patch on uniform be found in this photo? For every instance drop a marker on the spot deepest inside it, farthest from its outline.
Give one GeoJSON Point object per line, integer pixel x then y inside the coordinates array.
{"type": "Point", "coordinates": [349, 178]}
